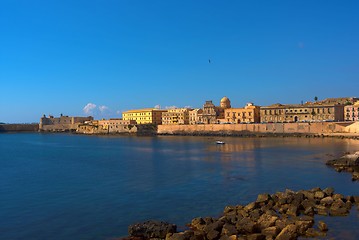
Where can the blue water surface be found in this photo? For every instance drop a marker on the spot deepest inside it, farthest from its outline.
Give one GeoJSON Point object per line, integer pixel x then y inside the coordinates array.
{"type": "Point", "coordinates": [63, 186]}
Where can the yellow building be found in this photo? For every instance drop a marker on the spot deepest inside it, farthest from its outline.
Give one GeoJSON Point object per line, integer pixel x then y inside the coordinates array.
{"type": "Point", "coordinates": [248, 114]}
{"type": "Point", "coordinates": [176, 116]}
{"type": "Point", "coordinates": [144, 116]}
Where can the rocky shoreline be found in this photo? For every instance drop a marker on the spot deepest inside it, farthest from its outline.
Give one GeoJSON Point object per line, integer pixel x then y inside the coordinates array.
{"type": "Point", "coordinates": [280, 216]}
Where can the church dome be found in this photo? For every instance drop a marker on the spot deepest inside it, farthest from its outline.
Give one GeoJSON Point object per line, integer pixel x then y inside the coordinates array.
{"type": "Point", "coordinates": [224, 100]}
{"type": "Point", "coordinates": [225, 103]}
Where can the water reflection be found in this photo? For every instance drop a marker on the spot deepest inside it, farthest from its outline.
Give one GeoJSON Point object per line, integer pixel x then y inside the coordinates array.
{"type": "Point", "coordinates": [103, 184]}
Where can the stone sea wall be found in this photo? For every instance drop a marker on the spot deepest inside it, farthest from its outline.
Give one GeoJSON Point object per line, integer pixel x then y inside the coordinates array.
{"type": "Point", "coordinates": [19, 127]}
{"type": "Point", "coordinates": [325, 128]}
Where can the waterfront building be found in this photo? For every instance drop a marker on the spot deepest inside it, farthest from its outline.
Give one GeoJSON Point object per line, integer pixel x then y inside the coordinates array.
{"type": "Point", "coordinates": [112, 125]}
{"type": "Point", "coordinates": [352, 112]}
{"type": "Point", "coordinates": [195, 116]}
{"type": "Point", "coordinates": [115, 124]}
{"type": "Point", "coordinates": [176, 116]}
{"type": "Point", "coordinates": [212, 114]}
{"type": "Point", "coordinates": [62, 123]}
{"type": "Point", "coordinates": [144, 116]}
{"type": "Point", "coordinates": [309, 112]}
{"type": "Point", "coordinates": [249, 114]}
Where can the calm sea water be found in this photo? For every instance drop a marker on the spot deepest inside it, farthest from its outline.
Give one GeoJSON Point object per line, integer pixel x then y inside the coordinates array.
{"type": "Point", "coordinates": [59, 186]}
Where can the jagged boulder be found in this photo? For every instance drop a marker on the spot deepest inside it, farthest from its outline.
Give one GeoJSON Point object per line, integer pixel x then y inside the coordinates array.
{"type": "Point", "coordinates": [349, 160]}
{"type": "Point", "coordinates": [151, 229]}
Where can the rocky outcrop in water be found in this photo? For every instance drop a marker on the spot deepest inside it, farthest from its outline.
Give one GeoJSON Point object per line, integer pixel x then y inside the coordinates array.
{"type": "Point", "coordinates": [347, 163]}
{"type": "Point", "coordinates": [151, 229]}
{"type": "Point", "coordinates": [281, 216]}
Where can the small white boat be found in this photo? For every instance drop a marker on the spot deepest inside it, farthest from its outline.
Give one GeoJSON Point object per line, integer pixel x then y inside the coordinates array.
{"type": "Point", "coordinates": [220, 142]}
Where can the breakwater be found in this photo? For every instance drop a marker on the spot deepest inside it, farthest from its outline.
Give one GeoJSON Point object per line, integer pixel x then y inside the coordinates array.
{"type": "Point", "coordinates": [19, 127]}
{"type": "Point", "coordinates": [318, 128]}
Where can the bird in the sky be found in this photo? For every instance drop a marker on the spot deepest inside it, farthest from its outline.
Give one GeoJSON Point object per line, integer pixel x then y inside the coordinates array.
{"type": "Point", "coordinates": [209, 60]}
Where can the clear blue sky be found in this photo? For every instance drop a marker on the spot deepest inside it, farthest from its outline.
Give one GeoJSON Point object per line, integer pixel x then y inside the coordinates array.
{"type": "Point", "coordinates": [59, 56]}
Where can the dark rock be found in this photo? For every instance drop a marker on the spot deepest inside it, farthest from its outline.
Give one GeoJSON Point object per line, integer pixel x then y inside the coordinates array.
{"type": "Point", "coordinates": [266, 221]}
{"type": "Point", "coordinates": [246, 225]}
{"type": "Point", "coordinates": [229, 229]}
{"type": "Point", "coordinates": [329, 191]}
{"type": "Point", "coordinates": [255, 214]}
{"type": "Point", "coordinates": [292, 210]}
{"type": "Point", "coordinates": [322, 226]}
{"type": "Point", "coordinates": [355, 176]}
{"type": "Point", "coordinates": [213, 234]}
{"type": "Point", "coordinates": [297, 198]}
{"type": "Point", "coordinates": [337, 196]}
{"type": "Point", "coordinates": [319, 194]}
{"type": "Point", "coordinates": [338, 211]}
{"type": "Point", "coordinates": [251, 206]}
{"type": "Point", "coordinates": [198, 223]}
{"type": "Point", "coordinates": [339, 203]}
{"type": "Point", "coordinates": [288, 233]}
{"type": "Point", "coordinates": [151, 229]}
{"type": "Point", "coordinates": [180, 236]}
{"type": "Point", "coordinates": [271, 231]}
{"type": "Point", "coordinates": [309, 211]}
{"type": "Point", "coordinates": [307, 203]}
{"type": "Point", "coordinates": [303, 224]}
{"type": "Point", "coordinates": [311, 232]}
{"type": "Point", "coordinates": [263, 198]}
{"type": "Point", "coordinates": [214, 226]}
{"type": "Point", "coordinates": [229, 209]}
{"type": "Point", "coordinates": [327, 201]}
{"type": "Point", "coordinates": [348, 160]}
{"type": "Point", "coordinates": [231, 218]}
{"type": "Point", "coordinates": [309, 195]}
{"type": "Point", "coordinates": [321, 210]}
{"type": "Point", "coordinates": [316, 189]}
{"type": "Point", "coordinates": [256, 236]}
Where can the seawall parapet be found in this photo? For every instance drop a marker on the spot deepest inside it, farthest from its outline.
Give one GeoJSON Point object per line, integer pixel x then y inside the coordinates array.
{"type": "Point", "coordinates": [317, 128]}
{"type": "Point", "coordinates": [19, 127]}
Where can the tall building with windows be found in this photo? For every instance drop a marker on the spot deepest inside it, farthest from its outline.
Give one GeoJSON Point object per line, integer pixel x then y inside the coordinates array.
{"type": "Point", "coordinates": [351, 112]}
{"type": "Point", "coordinates": [176, 116]}
{"type": "Point", "coordinates": [302, 113]}
{"type": "Point", "coordinates": [248, 114]}
{"type": "Point", "coordinates": [144, 116]}
{"type": "Point", "coordinates": [195, 116]}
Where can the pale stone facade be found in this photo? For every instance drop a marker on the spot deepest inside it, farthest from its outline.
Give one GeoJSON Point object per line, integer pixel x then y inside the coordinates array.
{"type": "Point", "coordinates": [176, 116]}
{"type": "Point", "coordinates": [112, 125]}
{"type": "Point", "coordinates": [195, 116]}
{"type": "Point", "coordinates": [62, 123]}
{"type": "Point", "coordinates": [144, 116]}
{"type": "Point", "coordinates": [212, 114]}
{"type": "Point", "coordinates": [351, 112]}
{"type": "Point", "coordinates": [115, 124]}
{"type": "Point", "coordinates": [302, 113]}
{"type": "Point", "coordinates": [248, 114]}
